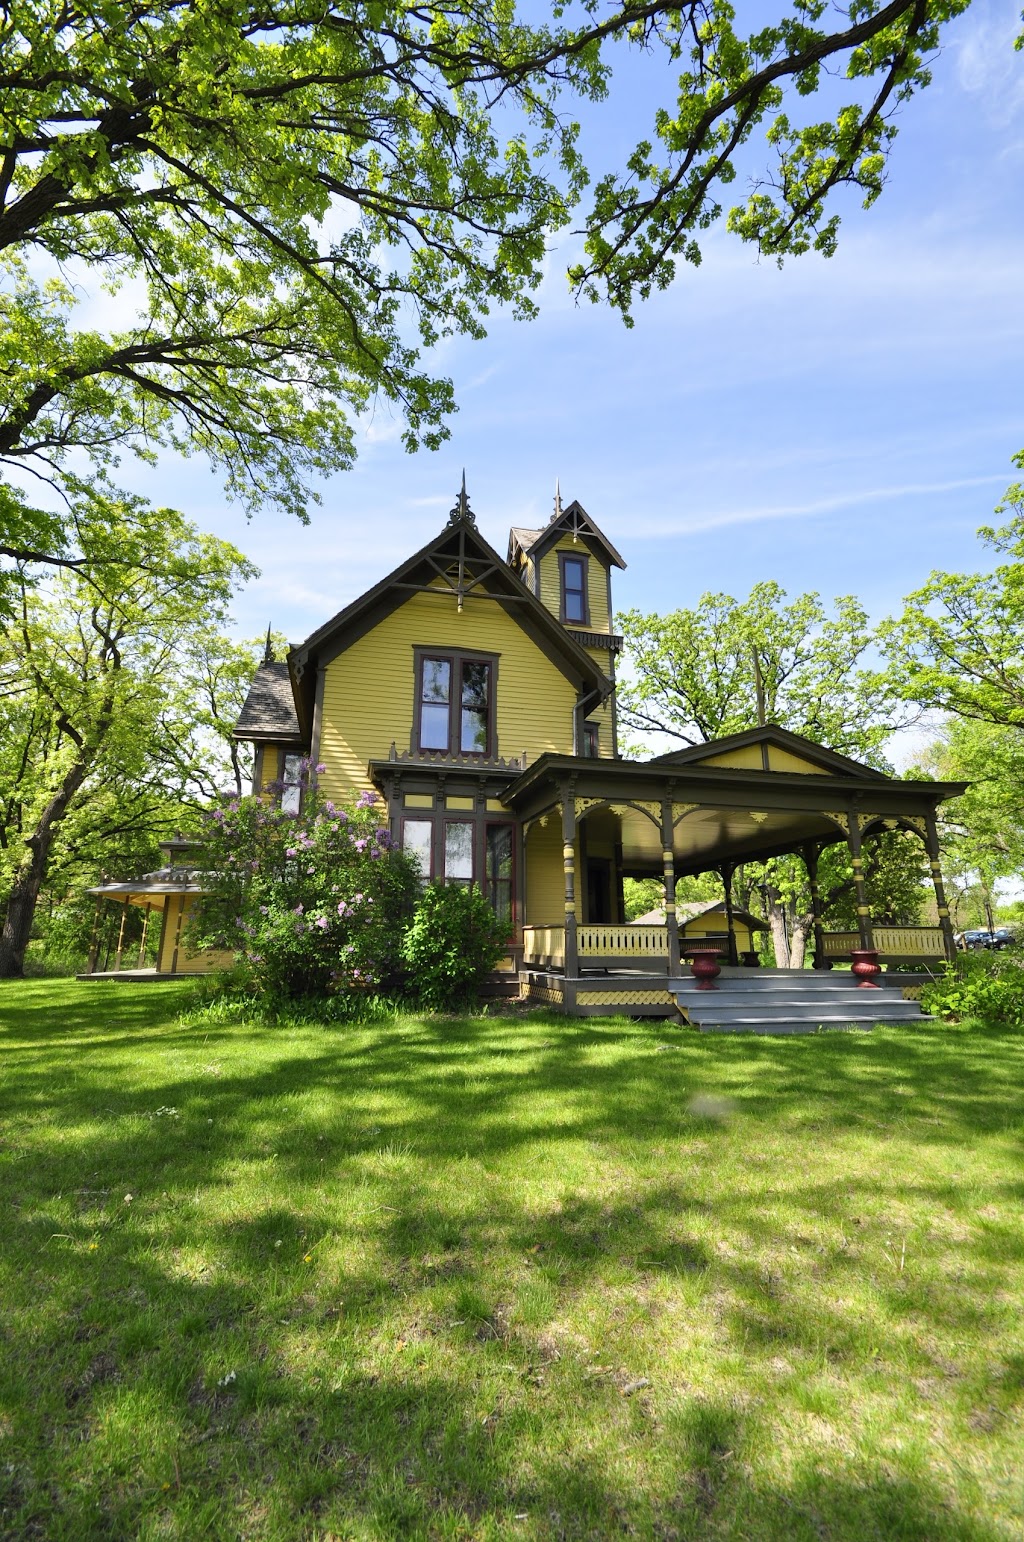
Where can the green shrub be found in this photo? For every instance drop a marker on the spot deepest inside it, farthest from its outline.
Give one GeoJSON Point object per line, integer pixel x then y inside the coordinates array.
{"type": "Point", "coordinates": [315, 904]}
{"type": "Point", "coordinates": [453, 943]}
{"type": "Point", "coordinates": [987, 986]}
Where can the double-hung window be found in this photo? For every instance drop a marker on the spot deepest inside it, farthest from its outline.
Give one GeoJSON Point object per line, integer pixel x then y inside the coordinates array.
{"type": "Point", "coordinates": [574, 588]}
{"type": "Point", "coordinates": [455, 704]}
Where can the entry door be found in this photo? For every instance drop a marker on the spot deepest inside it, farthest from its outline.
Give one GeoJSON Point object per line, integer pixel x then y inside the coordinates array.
{"type": "Point", "coordinates": [599, 891]}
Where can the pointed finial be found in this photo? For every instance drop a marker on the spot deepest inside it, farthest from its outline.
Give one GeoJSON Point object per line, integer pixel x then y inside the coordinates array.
{"type": "Point", "coordinates": [268, 652]}
{"type": "Point", "coordinates": [558, 502]}
{"type": "Point", "coordinates": [462, 513]}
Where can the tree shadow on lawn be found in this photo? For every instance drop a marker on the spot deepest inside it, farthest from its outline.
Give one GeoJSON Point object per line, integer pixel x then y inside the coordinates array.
{"type": "Point", "coordinates": [124, 1413]}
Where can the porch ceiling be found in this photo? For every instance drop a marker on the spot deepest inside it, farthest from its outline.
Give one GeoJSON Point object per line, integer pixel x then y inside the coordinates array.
{"type": "Point", "coordinates": [709, 836]}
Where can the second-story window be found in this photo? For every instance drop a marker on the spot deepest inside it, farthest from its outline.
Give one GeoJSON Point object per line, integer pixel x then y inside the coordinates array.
{"type": "Point", "coordinates": [574, 588]}
{"type": "Point", "coordinates": [455, 706]}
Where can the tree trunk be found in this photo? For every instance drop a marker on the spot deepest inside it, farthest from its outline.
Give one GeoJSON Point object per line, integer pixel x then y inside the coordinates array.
{"type": "Point", "coordinates": [28, 879]}
{"type": "Point", "coordinates": [802, 928]}
{"type": "Point", "coordinates": [777, 921]}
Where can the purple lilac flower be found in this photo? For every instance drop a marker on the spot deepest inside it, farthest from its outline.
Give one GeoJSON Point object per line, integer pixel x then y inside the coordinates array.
{"type": "Point", "coordinates": [298, 909]}
{"type": "Point", "coordinates": [366, 799]}
{"type": "Point", "coordinates": [322, 922]}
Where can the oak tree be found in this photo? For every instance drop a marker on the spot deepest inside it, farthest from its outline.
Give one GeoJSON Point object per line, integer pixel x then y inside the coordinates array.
{"type": "Point", "coordinates": [94, 681]}
{"type": "Point", "coordinates": [291, 203]}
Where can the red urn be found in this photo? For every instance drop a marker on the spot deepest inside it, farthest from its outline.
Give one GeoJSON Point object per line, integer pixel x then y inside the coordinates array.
{"type": "Point", "coordinates": [704, 963]}
{"type": "Point", "coordinates": [865, 966]}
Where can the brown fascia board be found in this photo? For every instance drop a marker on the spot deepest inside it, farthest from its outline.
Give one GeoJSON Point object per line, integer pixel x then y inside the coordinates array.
{"type": "Point", "coordinates": [772, 733]}
{"type": "Point", "coordinates": [555, 528]}
{"type": "Point", "coordinates": [651, 773]}
{"type": "Point", "coordinates": [370, 608]}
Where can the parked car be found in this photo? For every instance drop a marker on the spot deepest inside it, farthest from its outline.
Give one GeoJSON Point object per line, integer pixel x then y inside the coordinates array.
{"type": "Point", "coordinates": [980, 937]}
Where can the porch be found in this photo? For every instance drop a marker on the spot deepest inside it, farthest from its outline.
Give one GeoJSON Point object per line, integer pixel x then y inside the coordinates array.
{"type": "Point", "coordinates": [604, 949]}
{"type": "Point", "coordinates": [587, 824]}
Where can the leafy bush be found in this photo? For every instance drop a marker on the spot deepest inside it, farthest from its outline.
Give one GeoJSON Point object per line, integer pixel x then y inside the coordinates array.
{"type": "Point", "coordinates": [453, 943]}
{"type": "Point", "coordinates": [315, 903]}
{"type": "Point", "coordinates": [988, 986]}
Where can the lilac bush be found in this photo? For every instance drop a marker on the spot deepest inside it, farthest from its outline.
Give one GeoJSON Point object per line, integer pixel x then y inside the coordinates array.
{"type": "Point", "coordinates": [314, 904]}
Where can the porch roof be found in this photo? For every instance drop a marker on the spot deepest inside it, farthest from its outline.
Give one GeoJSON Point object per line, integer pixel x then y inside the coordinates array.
{"type": "Point", "coordinates": [723, 813]}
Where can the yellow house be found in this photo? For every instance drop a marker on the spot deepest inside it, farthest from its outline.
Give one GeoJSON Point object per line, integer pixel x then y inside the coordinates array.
{"type": "Point", "coordinates": [476, 696]}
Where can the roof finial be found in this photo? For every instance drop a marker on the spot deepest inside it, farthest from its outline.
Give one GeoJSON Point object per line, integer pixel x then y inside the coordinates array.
{"type": "Point", "coordinates": [462, 513]}
{"type": "Point", "coordinates": [558, 502]}
{"type": "Point", "coordinates": [268, 652]}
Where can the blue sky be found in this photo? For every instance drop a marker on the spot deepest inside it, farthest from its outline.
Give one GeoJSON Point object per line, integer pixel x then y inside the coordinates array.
{"type": "Point", "coordinates": [838, 425]}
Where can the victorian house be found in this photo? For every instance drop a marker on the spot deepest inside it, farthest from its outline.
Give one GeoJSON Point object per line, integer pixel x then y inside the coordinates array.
{"type": "Point", "coordinates": [476, 695]}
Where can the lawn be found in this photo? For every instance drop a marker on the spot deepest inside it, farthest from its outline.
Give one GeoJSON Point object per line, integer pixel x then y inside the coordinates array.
{"type": "Point", "coordinates": [511, 1277]}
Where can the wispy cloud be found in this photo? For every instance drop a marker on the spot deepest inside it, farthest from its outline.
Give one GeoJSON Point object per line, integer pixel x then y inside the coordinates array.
{"type": "Point", "coordinates": [987, 65]}
{"type": "Point", "coordinates": [713, 520]}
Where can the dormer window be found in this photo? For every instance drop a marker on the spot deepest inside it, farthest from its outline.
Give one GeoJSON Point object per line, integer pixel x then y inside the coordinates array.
{"type": "Point", "coordinates": [454, 705]}
{"type": "Point", "coordinates": [574, 589]}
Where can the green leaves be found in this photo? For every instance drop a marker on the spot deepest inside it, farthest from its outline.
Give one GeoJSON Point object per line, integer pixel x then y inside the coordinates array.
{"type": "Point", "coordinates": [295, 201]}
{"type": "Point", "coordinates": [691, 674]}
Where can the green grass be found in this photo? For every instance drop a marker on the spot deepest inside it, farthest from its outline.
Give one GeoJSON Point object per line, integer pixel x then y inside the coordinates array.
{"type": "Point", "coordinates": [520, 1278]}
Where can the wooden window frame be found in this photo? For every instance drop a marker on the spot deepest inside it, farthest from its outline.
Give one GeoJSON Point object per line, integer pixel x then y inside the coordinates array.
{"type": "Point", "coordinates": [591, 737]}
{"type": "Point", "coordinates": [456, 658]}
{"type": "Point", "coordinates": [583, 558]}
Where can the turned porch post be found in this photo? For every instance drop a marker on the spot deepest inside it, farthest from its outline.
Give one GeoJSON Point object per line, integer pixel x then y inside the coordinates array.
{"type": "Point", "coordinates": [867, 939]}
{"type": "Point", "coordinates": [811, 864]}
{"type": "Point", "coordinates": [726, 870]}
{"type": "Point", "coordinates": [669, 878]}
{"type": "Point", "coordinates": [932, 844]}
{"type": "Point", "coordinates": [569, 866]}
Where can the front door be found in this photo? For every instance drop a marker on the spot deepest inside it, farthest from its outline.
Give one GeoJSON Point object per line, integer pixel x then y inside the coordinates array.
{"type": "Point", "coordinates": [599, 891]}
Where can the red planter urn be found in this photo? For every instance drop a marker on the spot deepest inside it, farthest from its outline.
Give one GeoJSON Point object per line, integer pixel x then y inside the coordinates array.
{"type": "Point", "coordinates": [865, 966]}
{"type": "Point", "coordinates": [705, 965]}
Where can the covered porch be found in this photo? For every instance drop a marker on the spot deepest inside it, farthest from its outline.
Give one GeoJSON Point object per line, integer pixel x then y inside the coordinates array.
{"type": "Point", "coordinates": [759, 795]}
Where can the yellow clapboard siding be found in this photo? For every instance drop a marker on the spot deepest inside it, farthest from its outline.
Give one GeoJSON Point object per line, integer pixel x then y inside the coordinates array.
{"type": "Point", "coordinates": [209, 961]}
{"type": "Point", "coordinates": [368, 696]}
{"type": "Point", "coordinates": [782, 760]}
{"type": "Point", "coordinates": [545, 874]}
{"type": "Point", "coordinates": [597, 584]}
{"type": "Point", "coordinates": [746, 759]}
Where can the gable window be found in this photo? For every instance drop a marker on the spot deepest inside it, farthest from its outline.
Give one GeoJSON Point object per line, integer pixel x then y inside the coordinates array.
{"type": "Point", "coordinates": [574, 588]}
{"type": "Point", "coordinates": [455, 704]}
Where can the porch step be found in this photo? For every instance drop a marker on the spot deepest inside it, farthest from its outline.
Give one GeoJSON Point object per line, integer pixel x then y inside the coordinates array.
{"type": "Point", "coordinates": [787, 1002]}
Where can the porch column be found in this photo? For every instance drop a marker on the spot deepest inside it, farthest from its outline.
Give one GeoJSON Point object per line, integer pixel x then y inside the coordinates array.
{"type": "Point", "coordinates": [867, 939]}
{"type": "Point", "coordinates": [569, 865]}
{"type": "Point", "coordinates": [810, 855]}
{"type": "Point", "coordinates": [668, 869]}
{"type": "Point", "coordinates": [932, 844]}
{"type": "Point", "coordinates": [726, 870]}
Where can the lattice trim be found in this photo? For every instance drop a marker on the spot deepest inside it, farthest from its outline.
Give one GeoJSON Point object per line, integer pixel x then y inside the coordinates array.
{"type": "Point", "coordinates": [622, 998]}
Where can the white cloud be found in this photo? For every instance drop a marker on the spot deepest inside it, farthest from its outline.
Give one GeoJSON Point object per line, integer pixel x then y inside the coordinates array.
{"type": "Point", "coordinates": [688, 524]}
{"type": "Point", "coordinates": [987, 64]}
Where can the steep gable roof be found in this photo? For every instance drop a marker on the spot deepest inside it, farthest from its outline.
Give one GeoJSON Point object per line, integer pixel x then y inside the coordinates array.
{"type": "Point", "coordinates": [574, 521]}
{"type": "Point", "coordinates": [825, 761]}
{"type": "Point", "coordinates": [460, 560]}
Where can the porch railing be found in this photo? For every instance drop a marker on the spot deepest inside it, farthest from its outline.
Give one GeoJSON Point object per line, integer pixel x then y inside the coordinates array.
{"type": "Point", "coordinates": [890, 941]}
{"type": "Point", "coordinates": [544, 945]}
{"type": "Point", "coordinates": [622, 942]}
